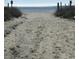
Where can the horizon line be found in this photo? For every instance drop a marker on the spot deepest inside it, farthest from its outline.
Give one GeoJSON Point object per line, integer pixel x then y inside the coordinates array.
{"type": "Point", "coordinates": [38, 5]}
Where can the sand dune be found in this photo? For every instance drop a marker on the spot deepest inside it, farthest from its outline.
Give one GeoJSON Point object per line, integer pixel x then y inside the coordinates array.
{"type": "Point", "coordinates": [40, 36]}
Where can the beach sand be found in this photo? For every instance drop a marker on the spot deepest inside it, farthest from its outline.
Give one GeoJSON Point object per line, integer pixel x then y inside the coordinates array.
{"type": "Point", "coordinates": [39, 36]}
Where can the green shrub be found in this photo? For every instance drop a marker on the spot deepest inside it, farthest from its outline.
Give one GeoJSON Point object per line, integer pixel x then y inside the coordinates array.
{"type": "Point", "coordinates": [10, 12]}
{"type": "Point", "coordinates": [66, 12]}
{"type": "Point", "coordinates": [15, 12]}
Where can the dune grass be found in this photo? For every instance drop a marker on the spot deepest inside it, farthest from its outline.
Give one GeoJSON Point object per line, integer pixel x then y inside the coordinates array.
{"type": "Point", "coordinates": [66, 12]}
{"type": "Point", "coordinates": [10, 12]}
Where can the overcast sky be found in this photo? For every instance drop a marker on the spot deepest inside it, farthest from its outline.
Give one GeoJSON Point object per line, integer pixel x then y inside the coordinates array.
{"type": "Point", "coordinates": [37, 2]}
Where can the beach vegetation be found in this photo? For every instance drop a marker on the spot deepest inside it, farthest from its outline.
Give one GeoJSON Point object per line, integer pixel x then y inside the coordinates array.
{"type": "Point", "coordinates": [10, 12]}
{"type": "Point", "coordinates": [67, 11]}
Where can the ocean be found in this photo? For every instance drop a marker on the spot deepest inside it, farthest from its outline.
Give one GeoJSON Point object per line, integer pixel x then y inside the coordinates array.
{"type": "Point", "coordinates": [37, 9]}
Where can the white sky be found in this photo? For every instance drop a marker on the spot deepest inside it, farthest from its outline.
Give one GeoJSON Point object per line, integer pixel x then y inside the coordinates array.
{"type": "Point", "coordinates": [36, 3]}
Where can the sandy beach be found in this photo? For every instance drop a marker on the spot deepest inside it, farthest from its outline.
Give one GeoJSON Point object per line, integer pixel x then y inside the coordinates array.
{"type": "Point", "coordinates": [39, 36]}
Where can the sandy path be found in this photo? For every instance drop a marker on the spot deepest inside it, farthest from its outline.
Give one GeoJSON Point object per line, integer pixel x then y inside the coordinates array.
{"type": "Point", "coordinates": [41, 36]}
